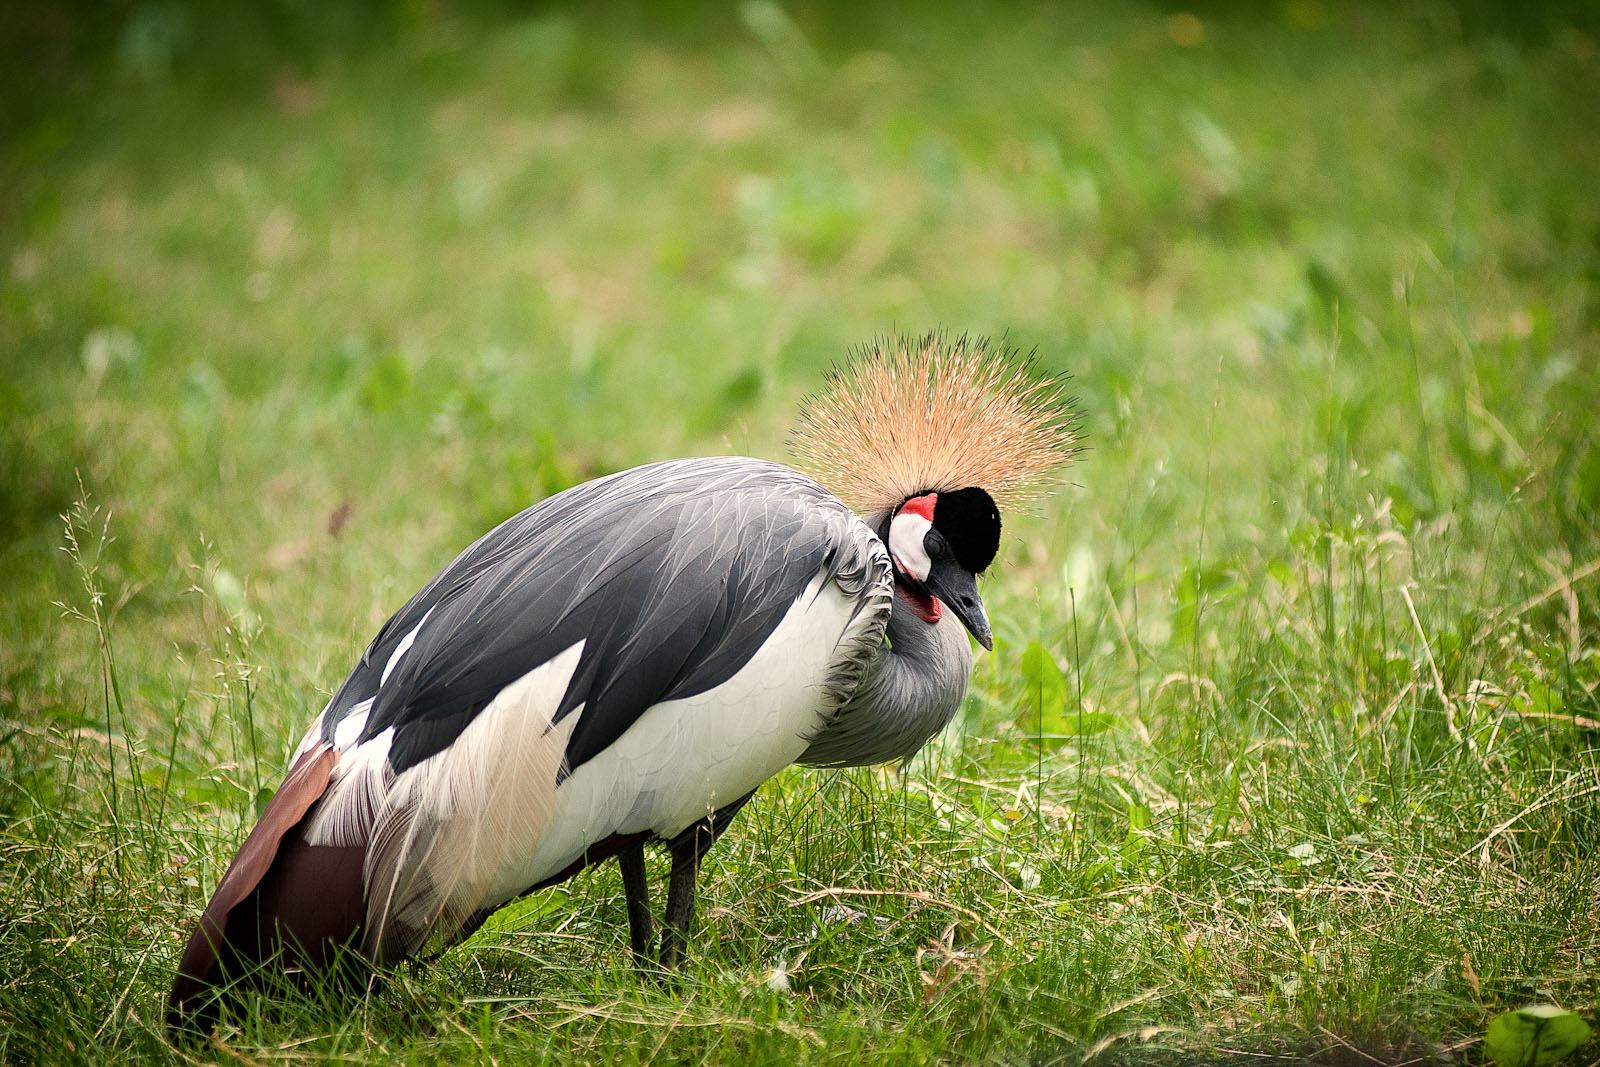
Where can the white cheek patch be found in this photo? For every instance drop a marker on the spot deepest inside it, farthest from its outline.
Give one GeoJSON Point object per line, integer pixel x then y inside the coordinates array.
{"type": "Point", "coordinates": [906, 535]}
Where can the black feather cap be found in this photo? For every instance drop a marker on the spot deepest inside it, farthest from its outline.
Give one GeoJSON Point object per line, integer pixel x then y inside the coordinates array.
{"type": "Point", "coordinates": [970, 521]}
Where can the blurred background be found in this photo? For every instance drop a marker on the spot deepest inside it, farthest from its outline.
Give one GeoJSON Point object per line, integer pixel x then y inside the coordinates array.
{"type": "Point", "coordinates": [282, 272]}
{"type": "Point", "coordinates": [329, 259]}
{"type": "Point", "coordinates": [296, 299]}
{"type": "Point", "coordinates": [477, 250]}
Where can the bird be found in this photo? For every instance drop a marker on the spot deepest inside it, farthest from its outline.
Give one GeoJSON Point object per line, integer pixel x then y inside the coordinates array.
{"type": "Point", "coordinates": [625, 662]}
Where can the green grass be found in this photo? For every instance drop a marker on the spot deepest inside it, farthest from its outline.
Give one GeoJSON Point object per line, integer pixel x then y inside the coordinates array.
{"type": "Point", "coordinates": [278, 340]}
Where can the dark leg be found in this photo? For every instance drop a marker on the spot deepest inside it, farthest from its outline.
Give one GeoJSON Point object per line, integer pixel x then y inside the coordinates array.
{"type": "Point", "coordinates": [680, 903]}
{"type": "Point", "coordinates": [687, 850]}
{"type": "Point", "coordinates": [637, 892]}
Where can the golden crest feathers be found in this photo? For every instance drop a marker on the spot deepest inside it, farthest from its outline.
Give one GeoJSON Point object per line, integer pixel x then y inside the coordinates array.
{"type": "Point", "coordinates": [908, 415]}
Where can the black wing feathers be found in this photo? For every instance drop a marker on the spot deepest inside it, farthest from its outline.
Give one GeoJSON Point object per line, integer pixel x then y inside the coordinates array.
{"type": "Point", "coordinates": [672, 574]}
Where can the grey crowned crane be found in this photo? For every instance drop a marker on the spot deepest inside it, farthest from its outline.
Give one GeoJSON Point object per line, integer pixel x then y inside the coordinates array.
{"type": "Point", "coordinates": [625, 662]}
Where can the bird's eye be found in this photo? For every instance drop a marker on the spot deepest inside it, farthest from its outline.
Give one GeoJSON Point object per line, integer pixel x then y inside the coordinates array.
{"type": "Point", "coordinates": [936, 545]}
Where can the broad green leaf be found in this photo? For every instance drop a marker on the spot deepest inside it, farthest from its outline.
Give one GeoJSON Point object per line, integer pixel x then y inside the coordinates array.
{"type": "Point", "coordinates": [1083, 724]}
{"type": "Point", "coordinates": [1534, 1036]}
{"type": "Point", "coordinates": [1136, 843]}
{"type": "Point", "coordinates": [1046, 691]}
{"type": "Point", "coordinates": [1133, 850]}
{"type": "Point", "coordinates": [1045, 715]}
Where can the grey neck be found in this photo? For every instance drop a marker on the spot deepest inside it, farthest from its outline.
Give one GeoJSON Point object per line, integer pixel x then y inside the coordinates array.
{"type": "Point", "coordinates": [909, 694]}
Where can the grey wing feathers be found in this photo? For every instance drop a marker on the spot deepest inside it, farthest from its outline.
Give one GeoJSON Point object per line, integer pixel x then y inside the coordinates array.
{"type": "Point", "coordinates": [672, 575]}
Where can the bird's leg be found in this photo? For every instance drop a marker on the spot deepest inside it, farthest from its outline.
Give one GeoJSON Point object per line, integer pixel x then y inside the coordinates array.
{"type": "Point", "coordinates": [687, 850]}
{"type": "Point", "coordinates": [680, 899]}
{"type": "Point", "coordinates": [637, 893]}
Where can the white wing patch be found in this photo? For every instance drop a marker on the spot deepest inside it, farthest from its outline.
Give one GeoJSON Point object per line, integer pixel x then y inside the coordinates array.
{"type": "Point", "coordinates": [357, 792]}
{"type": "Point", "coordinates": [350, 727]}
{"type": "Point", "coordinates": [682, 759]}
{"type": "Point", "coordinates": [446, 826]}
{"type": "Point", "coordinates": [402, 648]}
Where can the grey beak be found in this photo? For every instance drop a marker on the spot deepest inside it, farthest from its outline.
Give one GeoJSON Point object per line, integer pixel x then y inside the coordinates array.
{"type": "Point", "coordinates": [958, 589]}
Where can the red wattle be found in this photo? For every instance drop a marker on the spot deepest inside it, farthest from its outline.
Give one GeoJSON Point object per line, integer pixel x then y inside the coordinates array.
{"type": "Point", "coordinates": [928, 607]}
